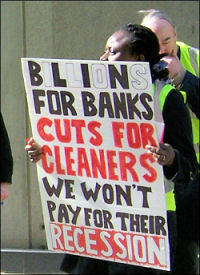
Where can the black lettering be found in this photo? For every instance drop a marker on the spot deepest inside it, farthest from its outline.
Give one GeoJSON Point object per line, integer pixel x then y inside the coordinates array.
{"type": "Point", "coordinates": [108, 193]}
{"type": "Point", "coordinates": [125, 194]}
{"type": "Point", "coordinates": [58, 82]}
{"type": "Point", "coordinates": [67, 104]}
{"type": "Point", "coordinates": [53, 190]}
{"type": "Point", "coordinates": [151, 225]}
{"type": "Point", "coordinates": [90, 193]}
{"type": "Point", "coordinates": [105, 104]}
{"type": "Point", "coordinates": [143, 220]}
{"type": "Point", "coordinates": [35, 77]}
{"type": "Point", "coordinates": [120, 105]}
{"type": "Point", "coordinates": [144, 191]}
{"type": "Point", "coordinates": [144, 98]}
{"type": "Point", "coordinates": [88, 104]}
{"type": "Point", "coordinates": [135, 223]}
{"type": "Point", "coordinates": [37, 102]}
{"type": "Point", "coordinates": [85, 75]}
{"type": "Point", "coordinates": [107, 217]}
{"type": "Point", "coordinates": [98, 220]}
{"type": "Point", "coordinates": [122, 78]}
{"type": "Point", "coordinates": [63, 214]}
{"type": "Point", "coordinates": [69, 189]}
{"type": "Point", "coordinates": [54, 108]}
{"type": "Point", "coordinates": [159, 224]}
{"type": "Point", "coordinates": [87, 212]}
{"type": "Point", "coordinates": [132, 109]}
{"type": "Point", "coordinates": [51, 207]}
{"type": "Point", "coordinates": [122, 216]}
{"type": "Point", "coordinates": [74, 212]}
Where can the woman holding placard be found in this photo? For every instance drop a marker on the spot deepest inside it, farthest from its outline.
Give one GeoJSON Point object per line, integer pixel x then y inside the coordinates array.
{"type": "Point", "coordinates": [175, 153]}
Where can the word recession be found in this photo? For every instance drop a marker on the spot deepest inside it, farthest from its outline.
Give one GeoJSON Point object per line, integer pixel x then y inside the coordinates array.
{"type": "Point", "coordinates": [122, 247]}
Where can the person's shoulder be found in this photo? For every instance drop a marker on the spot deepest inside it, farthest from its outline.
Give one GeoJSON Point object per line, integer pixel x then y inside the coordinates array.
{"type": "Point", "coordinates": [182, 44]}
{"type": "Point", "coordinates": [175, 96]}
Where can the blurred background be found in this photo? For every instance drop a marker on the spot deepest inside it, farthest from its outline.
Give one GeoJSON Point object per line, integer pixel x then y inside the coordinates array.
{"type": "Point", "coordinates": [57, 29]}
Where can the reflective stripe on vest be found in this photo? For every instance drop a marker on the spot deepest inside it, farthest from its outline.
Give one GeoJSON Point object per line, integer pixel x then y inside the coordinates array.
{"type": "Point", "coordinates": [189, 58]}
{"type": "Point", "coordinates": [161, 90]}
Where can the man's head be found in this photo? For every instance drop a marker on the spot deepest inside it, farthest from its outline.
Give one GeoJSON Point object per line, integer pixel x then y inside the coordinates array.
{"type": "Point", "coordinates": [161, 24]}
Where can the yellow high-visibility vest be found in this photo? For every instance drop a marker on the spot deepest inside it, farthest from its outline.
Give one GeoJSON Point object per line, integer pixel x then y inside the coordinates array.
{"type": "Point", "coordinates": [189, 58]}
{"type": "Point", "coordinates": [161, 91]}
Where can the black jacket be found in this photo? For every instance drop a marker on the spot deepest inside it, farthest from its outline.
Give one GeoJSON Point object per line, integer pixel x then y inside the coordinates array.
{"type": "Point", "coordinates": [6, 159]}
{"type": "Point", "coordinates": [190, 85]}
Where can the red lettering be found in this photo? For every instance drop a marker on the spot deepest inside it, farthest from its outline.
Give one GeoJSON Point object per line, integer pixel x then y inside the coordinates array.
{"type": "Point", "coordinates": [105, 164]}
{"type": "Point", "coordinates": [134, 140]}
{"type": "Point", "coordinates": [97, 141]}
{"type": "Point", "coordinates": [78, 124]}
{"type": "Point", "coordinates": [66, 137]}
{"type": "Point", "coordinates": [41, 124]}
{"type": "Point", "coordinates": [137, 134]}
{"type": "Point", "coordinates": [147, 131]}
{"type": "Point", "coordinates": [69, 161]}
{"type": "Point", "coordinates": [112, 165]}
{"type": "Point", "coordinates": [144, 163]}
{"type": "Point", "coordinates": [117, 134]}
{"type": "Point", "coordinates": [127, 165]}
{"type": "Point", "coordinates": [83, 162]}
{"type": "Point", "coordinates": [98, 165]}
{"type": "Point", "coordinates": [58, 161]}
{"type": "Point", "coordinates": [48, 168]}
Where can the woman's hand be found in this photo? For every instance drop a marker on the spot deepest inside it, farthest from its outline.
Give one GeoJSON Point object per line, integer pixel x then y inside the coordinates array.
{"type": "Point", "coordinates": [164, 154]}
{"type": "Point", "coordinates": [34, 151]}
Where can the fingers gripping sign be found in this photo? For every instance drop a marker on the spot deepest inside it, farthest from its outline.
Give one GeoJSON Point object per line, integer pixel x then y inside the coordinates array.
{"type": "Point", "coordinates": [34, 151]}
{"type": "Point", "coordinates": [164, 154]}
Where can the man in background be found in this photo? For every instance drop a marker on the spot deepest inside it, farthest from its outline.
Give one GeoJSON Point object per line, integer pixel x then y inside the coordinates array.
{"type": "Point", "coordinates": [183, 66]}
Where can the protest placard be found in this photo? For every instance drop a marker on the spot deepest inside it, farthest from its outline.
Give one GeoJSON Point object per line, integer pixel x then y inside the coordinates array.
{"type": "Point", "coordinates": [102, 194]}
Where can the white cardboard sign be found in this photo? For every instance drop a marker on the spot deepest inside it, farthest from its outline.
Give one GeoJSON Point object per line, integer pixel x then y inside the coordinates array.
{"type": "Point", "coordinates": [102, 194]}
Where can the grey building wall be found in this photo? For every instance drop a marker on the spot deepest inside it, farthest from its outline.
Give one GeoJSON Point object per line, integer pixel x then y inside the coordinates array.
{"type": "Point", "coordinates": [57, 29]}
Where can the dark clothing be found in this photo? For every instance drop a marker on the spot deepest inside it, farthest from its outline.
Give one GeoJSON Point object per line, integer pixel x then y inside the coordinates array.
{"type": "Point", "coordinates": [83, 265]}
{"type": "Point", "coordinates": [187, 199]}
{"type": "Point", "coordinates": [6, 160]}
{"type": "Point", "coordinates": [188, 220]}
{"type": "Point", "coordinates": [178, 133]}
{"type": "Point", "coordinates": [190, 85]}
{"type": "Point", "coordinates": [187, 261]}
{"type": "Point", "coordinates": [187, 208]}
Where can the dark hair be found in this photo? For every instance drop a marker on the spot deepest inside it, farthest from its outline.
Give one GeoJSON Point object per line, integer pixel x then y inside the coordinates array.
{"type": "Point", "coordinates": [144, 41]}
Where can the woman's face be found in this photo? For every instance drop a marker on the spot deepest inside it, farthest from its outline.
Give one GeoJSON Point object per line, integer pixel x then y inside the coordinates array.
{"type": "Point", "coordinates": [117, 48]}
